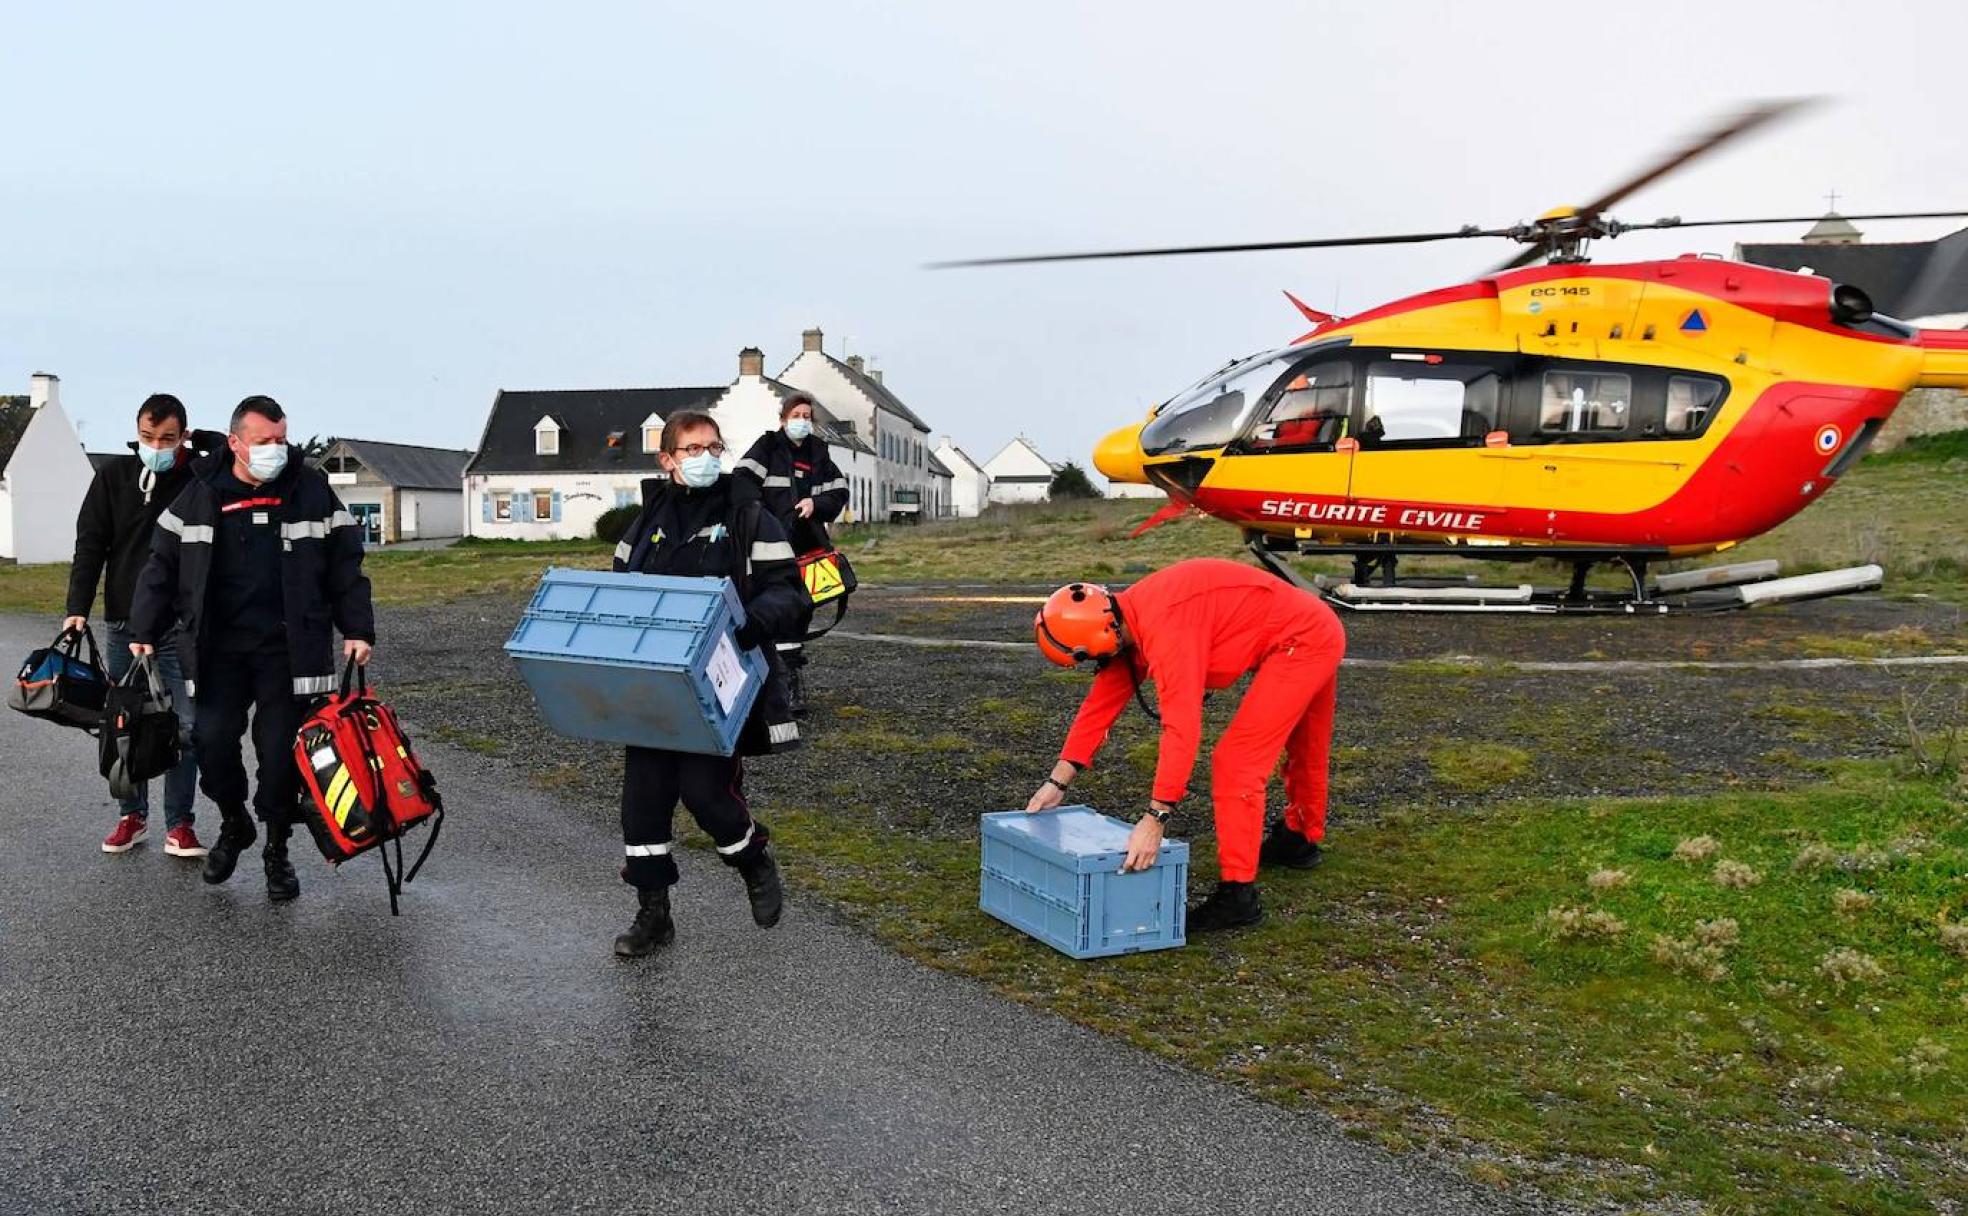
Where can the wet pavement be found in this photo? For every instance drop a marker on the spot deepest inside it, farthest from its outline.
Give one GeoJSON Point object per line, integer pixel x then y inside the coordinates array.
{"type": "Point", "coordinates": [177, 1048]}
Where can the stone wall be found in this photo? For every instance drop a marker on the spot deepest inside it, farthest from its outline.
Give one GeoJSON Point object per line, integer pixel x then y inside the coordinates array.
{"type": "Point", "coordinates": [1925, 411]}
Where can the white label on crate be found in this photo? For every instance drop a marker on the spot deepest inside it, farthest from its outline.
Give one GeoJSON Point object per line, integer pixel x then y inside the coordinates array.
{"type": "Point", "coordinates": [727, 674]}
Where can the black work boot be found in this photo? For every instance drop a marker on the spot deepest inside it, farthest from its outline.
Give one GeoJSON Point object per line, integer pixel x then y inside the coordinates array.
{"type": "Point", "coordinates": [1286, 848]}
{"type": "Point", "coordinates": [282, 883]}
{"type": "Point", "coordinates": [1233, 905]}
{"type": "Point", "coordinates": [652, 926]}
{"type": "Point", "coordinates": [762, 887]}
{"type": "Point", "coordinates": [235, 833]}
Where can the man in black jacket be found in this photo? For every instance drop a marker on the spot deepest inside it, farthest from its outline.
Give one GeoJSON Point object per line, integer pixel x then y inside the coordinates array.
{"type": "Point", "coordinates": [112, 537]}
{"type": "Point", "coordinates": [693, 526]}
{"type": "Point", "coordinates": [258, 564]}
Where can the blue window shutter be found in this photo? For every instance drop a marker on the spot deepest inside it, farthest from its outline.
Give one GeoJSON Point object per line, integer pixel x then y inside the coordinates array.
{"type": "Point", "coordinates": [485, 507]}
{"type": "Point", "coordinates": [522, 511]}
{"type": "Point", "coordinates": [556, 506]}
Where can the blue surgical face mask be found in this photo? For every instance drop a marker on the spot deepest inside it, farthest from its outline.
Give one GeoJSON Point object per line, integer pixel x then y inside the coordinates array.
{"type": "Point", "coordinates": [798, 429]}
{"type": "Point", "coordinates": [700, 471]}
{"type": "Point", "coordinates": [266, 460]}
{"type": "Point", "coordinates": [157, 460]}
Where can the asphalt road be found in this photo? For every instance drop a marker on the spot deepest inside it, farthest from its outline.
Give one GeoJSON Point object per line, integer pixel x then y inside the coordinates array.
{"type": "Point", "coordinates": [168, 1047]}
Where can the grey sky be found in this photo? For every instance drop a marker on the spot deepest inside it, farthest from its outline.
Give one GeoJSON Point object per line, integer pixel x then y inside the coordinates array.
{"type": "Point", "coordinates": [382, 213]}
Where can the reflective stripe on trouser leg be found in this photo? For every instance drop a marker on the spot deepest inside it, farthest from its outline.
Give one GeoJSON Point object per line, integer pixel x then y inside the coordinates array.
{"type": "Point", "coordinates": [649, 798]}
{"type": "Point", "coordinates": [1280, 695]}
{"type": "Point", "coordinates": [714, 793]}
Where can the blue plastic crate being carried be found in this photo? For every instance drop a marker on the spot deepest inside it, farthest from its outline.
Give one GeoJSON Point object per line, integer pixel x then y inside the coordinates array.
{"type": "Point", "coordinates": [1056, 875]}
{"type": "Point", "coordinates": [641, 659]}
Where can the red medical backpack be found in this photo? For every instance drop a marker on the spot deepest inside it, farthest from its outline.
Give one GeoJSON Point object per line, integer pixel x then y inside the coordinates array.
{"type": "Point", "coordinates": [365, 785]}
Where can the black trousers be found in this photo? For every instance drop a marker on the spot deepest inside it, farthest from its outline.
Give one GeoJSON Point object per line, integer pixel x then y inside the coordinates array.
{"type": "Point", "coordinates": [228, 686]}
{"type": "Point", "coordinates": [711, 788]}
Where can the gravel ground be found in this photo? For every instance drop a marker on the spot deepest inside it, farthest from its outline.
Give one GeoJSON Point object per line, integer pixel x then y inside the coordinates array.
{"type": "Point", "coordinates": [925, 739]}
{"type": "Point", "coordinates": [174, 1048]}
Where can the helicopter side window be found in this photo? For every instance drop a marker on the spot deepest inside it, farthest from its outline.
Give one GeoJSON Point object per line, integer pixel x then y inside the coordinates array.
{"type": "Point", "coordinates": [1585, 403]}
{"type": "Point", "coordinates": [1312, 412]}
{"type": "Point", "coordinates": [1689, 404]}
{"type": "Point", "coordinates": [1425, 400]}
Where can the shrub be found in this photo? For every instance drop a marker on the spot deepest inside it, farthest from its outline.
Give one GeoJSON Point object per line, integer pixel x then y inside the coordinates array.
{"type": "Point", "coordinates": [1572, 924]}
{"type": "Point", "coordinates": [1849, 902]}
{"type": "Point", "coordinates": [1848, 966]}
{"type": "Point", "coordinates": [614, 522]}
{"type": "Point", "coordinates": [1955, 938]}
{"type": "Point", "coordinates": [1691, 955]}
{"type": "Point", "coordinates": [1606, 880]}
{"type": "Point", "coordinates": [1071, 481]}
{"type": "Point", "coordinates": [1735, 875]}
{"type": "Point", "coordinates": [1697, 848]}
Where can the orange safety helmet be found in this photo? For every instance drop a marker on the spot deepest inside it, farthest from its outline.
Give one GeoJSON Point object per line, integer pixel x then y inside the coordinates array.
{"type": "Point", "coordinates": [1080, 621]}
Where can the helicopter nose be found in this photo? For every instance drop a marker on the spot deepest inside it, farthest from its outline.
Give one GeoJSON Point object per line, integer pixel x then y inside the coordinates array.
{"type": "Point", "coordinates": [1118, 456]}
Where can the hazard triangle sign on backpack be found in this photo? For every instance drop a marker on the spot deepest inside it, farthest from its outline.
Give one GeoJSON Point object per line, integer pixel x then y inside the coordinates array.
{"type": "Point", "coordinates": [365, 785]}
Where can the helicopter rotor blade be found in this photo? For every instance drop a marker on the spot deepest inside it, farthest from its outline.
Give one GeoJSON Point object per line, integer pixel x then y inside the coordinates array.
{"type": "Point", "coordinates": [1672, 222]}
{"type": "Point", "coordinates": [1406, 238]}
{"type": "Point", "coordinates": [1757, 115]}
{"type": "Point", "coordinates": [1523, 258]}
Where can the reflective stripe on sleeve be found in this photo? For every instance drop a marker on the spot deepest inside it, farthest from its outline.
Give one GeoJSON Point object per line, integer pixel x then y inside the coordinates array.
{"type": "Point", "coordinates": [753, 467]}
{"type": "Point", "coordinates": [308, 686]}
{"type": "Point", "coordinates": [771, 551]}
{"type": "Point", "coordinates": [622, 551]}
{"type": "Point", "coordinates": [778, 483]}
{"type": "Point", "coordinates": [784, 732]}
{"type": "Point", "coordinates": [726, 850]}
{"type": "Point", "coordinates": [317, 529]}
{"type": "Point", "coordinates": [190, 534]}
{"type": "Point", "coordinates": [838, 483]}
{"type": "Point", "coordinates": [646, 850]}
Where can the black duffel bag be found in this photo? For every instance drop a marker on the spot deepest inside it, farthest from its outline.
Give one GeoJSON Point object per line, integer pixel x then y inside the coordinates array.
{"type": "Point", "coordinates": [58, 684]}
{"type": "Point", "coordinates": [139, 738]}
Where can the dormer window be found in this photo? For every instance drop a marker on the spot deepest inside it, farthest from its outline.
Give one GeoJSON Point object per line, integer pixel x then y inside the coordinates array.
{"type": "Point", "coordinates": [652, 434]}
{"type": "Point", "coordinates": [546, 437]}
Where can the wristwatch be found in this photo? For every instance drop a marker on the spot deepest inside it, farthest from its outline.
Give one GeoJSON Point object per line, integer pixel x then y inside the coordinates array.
{"type": "Point", "coordinates": [1160, 816]}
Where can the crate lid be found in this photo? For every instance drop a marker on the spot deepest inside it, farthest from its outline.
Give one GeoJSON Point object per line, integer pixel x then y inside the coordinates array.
{"type": "Point", "coordinates": [1093, 840]}
{"type": "Point", "coordinates": [588, 594]}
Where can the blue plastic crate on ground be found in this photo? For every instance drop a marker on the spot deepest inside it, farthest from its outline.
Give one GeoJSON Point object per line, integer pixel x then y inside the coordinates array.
{"type": "Point", "coordinates": [1056, 875]}
{"type": "Point", "coordinates": [640, 659]}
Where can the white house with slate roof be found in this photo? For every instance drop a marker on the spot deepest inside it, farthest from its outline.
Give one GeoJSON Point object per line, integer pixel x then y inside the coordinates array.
{"type": "Point", "coordinates": [398, 491]}
{"type": "Point", "coordinates": [855, 395]}
{"type": "Point", "coordinates": [970, 485]}
{"type": "Point", "coordinates": [44, 474]}
{"type": "Point", "coordinates": [1019, 474]}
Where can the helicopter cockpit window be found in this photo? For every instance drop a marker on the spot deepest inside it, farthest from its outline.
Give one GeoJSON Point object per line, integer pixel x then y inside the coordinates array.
{"type": "Point", "coordinates": [1427, 399]}
{"type": "Point", "coordinates": [1689, 403]}
{"type": "Point", "coordinates": [1311, 414]}
{"type": "Point", "coordinates": [1584, 403]}
{"type": "Point", "coordinates": [1211, 414]}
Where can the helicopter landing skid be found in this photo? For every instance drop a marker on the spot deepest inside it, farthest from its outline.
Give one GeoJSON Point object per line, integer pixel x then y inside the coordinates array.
{"type": "Point", "coordinates": [1709, 589]}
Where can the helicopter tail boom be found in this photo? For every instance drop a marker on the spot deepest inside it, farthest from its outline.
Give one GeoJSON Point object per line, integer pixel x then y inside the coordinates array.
{"type": "Point", "coordinates": [1946, 361]}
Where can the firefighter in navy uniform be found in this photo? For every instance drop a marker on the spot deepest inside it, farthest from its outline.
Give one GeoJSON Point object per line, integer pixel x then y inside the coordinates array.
{"type": "Point", "coordinates": [794, 475]}
{"type": "Point", "coordinates": [256, 564]}
{"type": "Point", "coordinates": [694, 525]}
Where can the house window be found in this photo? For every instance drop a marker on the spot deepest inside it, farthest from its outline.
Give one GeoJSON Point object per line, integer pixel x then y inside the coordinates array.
{"type": "Point", "coordinates": [546, 442]}
{"type": "Point", "coordinates": [543, 504]}
{"type": "Point", "coordinates": [502, 508]}
{"type": "Point", "coordinates": [652, 439]}
{"type": "Point", "coordinates": [625, 496]}
{"type": "Point", "coordinates": [1579, 402]}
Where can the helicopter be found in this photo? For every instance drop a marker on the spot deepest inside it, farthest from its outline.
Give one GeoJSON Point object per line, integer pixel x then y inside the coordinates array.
{"type": "Point", "coordinates": [1552, 408]}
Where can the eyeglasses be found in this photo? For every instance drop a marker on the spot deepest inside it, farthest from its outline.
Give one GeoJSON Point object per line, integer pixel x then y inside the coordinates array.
{"type": "Point", "coordinates": [715, 448]}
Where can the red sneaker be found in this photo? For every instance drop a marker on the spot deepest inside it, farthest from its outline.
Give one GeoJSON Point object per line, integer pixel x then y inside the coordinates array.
{"type": "Point", "coordinates": [181, 841]}
{"type": "Point", "coordinates": [128, 834]}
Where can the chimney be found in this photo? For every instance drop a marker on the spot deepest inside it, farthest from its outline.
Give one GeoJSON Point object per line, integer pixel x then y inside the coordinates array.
{"type": "Point", "coordinates": [810, 340]}
{"type": "Point", "coordinates": [874, 373]}
{"type": "Point", "coordinates": [44, 388]}
{"type": "Point", "coordinates": [751, 362]}
{"type": "Point", "coordinates": [857, 363]}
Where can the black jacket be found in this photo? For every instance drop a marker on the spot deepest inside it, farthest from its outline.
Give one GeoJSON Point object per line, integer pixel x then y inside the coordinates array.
{"type": "Point", "coordinates": [782, 472]}
{"type": "Point", "coordinates": [321, 576]}
{"type": "Point", "coordinates": [112, 531]}
{"type": "Point", "coordinates": [716, 532]}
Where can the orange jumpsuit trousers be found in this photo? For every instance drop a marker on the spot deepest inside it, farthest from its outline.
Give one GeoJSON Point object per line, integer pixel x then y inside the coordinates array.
{"type": "Point", "coordinates": [1202, 625]}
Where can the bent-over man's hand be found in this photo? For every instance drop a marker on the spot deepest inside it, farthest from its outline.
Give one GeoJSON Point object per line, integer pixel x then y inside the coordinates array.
{"type": "Point", "coordinates": [357, 649]}
{"type": "Point", "coordinates": [1047, 797]}
{"type": "Point", "coordinates": [1144, 845]}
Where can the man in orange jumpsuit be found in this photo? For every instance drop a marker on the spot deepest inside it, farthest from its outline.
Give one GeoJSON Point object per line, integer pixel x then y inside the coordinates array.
{"type": "Point", "coordinates": [1195, 626]}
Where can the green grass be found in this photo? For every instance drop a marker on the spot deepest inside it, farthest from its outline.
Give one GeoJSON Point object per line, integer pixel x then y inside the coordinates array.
{"type": "Point", "coordinates": [1465, 982]}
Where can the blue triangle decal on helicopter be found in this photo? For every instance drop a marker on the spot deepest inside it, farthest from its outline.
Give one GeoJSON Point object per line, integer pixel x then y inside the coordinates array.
{"type": "Point", "coordinates": [1694, 323]}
